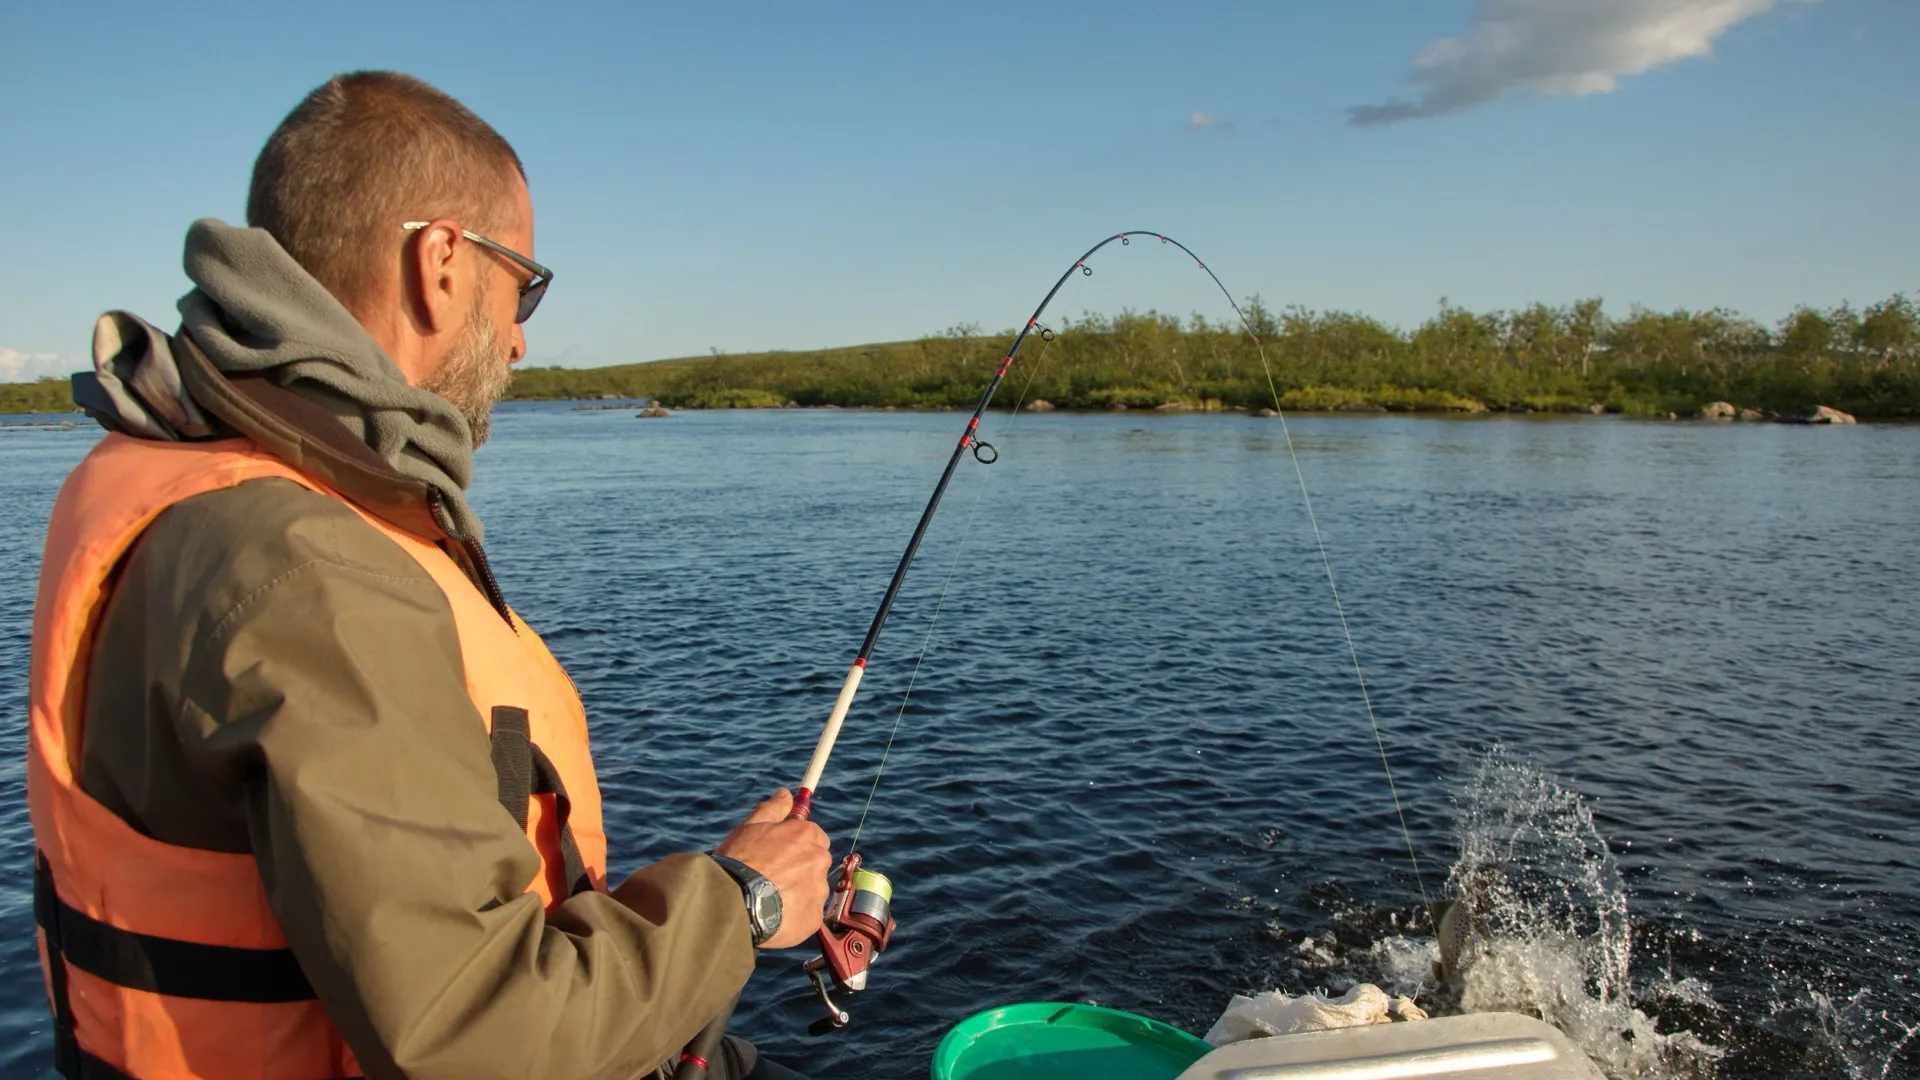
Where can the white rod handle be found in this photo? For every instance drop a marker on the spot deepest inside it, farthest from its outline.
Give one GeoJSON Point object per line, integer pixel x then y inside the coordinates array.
{"type": "Point", "coordinates": [824, 748]}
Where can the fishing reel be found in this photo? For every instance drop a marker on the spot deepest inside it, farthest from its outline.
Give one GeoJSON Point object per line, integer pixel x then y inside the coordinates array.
{"type": "Point", "coordinates": [855, 929]}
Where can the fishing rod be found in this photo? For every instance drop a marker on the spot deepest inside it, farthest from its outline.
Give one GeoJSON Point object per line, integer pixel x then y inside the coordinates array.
{"type": "Point", "coordinates": [986, 454]}
{"type": "Point", "coordinates": [859, 922]}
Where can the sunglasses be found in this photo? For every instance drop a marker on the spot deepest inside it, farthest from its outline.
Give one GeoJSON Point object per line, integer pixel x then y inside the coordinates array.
{"type": "Point", "coordinates": [531, 292]}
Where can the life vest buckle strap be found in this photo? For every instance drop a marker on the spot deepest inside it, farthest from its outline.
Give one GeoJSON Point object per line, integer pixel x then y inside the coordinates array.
{"type": "Point", "coordinates": [523, 771]}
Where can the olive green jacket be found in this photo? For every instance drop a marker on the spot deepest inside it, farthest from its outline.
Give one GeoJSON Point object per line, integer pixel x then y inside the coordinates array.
{"type": "Point", "coordinates": [271, 675]}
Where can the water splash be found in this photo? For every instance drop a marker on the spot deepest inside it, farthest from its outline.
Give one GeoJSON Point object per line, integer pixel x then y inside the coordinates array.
{"type": "Point", "coordinates": [1865, 1041]}
{"type": "Point", "coordinates": [1551, 938]}
{"type": "Point", "coordinates": [1533, 868]}
{"type": "Point", "coordinates": [1547, 932]}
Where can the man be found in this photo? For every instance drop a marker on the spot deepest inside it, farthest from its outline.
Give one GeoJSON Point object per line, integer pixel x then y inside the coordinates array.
{"type": "Point", "coordinates": [309, 799]}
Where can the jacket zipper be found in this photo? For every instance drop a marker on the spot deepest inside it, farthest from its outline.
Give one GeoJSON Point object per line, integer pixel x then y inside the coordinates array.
{"type": "Point", "coordinates": [475, 555]}
{"type": "Point", "coordinates": [487, 583]}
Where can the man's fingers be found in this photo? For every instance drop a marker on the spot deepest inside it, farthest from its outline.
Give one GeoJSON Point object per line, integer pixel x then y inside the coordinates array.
{"type": "Point", "coordinates": [775, 808]}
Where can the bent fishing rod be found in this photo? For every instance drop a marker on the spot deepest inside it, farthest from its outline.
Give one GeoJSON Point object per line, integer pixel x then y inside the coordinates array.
{"type": "Point", "coordinates": [859, 922]}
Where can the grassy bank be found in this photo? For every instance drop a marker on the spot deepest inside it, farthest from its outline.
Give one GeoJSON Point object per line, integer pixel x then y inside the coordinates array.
{"type": "Point", "coordinates": [43, 396]}
{"type": "Point", "coordinates": [1571, 358]}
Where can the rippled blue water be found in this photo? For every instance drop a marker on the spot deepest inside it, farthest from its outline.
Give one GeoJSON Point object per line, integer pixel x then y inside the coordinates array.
{"type": "Point", "coordinates": [1136, 768]}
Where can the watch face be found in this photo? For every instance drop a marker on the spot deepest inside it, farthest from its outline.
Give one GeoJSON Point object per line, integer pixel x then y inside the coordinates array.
{"type": "Point", "coordinates": [766, 908]}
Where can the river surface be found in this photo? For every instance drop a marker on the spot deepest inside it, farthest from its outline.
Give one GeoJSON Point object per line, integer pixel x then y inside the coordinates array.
{"type": "Point", "coordinates": [1660, 682]}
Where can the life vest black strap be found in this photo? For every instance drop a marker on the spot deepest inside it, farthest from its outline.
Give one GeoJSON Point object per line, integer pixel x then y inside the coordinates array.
{"type": "Point", "coordinates": [512, 747]}
{"type": "Point", "coordinates": [157, 965]}
{"type": "Point", "coordinates": [84, 1066]}
{"type": "Point", "coordinates": [523, 771]}
{"type": "Point", "coordinates": [46, 912]}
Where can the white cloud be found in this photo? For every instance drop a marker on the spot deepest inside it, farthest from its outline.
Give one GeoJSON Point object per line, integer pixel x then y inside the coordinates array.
{"type": "Point", "coordinates": [1206, 121]}
{"type": "Point", "coordinates": [17, 366]}
{"type": "Point", "coordinates": [1556, 48]}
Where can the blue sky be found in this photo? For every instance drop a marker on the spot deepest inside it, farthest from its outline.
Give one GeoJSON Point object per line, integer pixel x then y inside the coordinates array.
{"type": "Point", "coordinates": [750, 176]}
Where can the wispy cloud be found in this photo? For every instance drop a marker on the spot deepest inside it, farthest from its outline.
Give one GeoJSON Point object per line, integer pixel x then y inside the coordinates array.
{"type": "Point", "coordinates": [1206, 121]}
{"type": "Point", "coordinates": [17, 366]}
{"type": "Point", "coordinates": [1556, 48]}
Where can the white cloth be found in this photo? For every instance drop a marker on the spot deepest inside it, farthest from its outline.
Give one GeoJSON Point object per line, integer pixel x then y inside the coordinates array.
{"type": "Point", "coordinates": [1274, 1013]}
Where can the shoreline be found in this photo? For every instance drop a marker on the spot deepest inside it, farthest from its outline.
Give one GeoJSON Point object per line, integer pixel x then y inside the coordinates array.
{"type": "Point", "coordinates": [1803, 418]}
{"type": "Point", "coordinates": [72, 419]}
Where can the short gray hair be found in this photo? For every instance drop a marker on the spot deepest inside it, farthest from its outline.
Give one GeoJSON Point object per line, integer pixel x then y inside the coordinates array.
{"type": "Point", "coordinates": [364, 152]}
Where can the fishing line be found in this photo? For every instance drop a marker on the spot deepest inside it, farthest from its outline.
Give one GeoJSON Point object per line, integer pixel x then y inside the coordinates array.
{"type": "Point", "coordinates": [1333, 587]}
{"type": "Point", "coordinates": [1047, 337]}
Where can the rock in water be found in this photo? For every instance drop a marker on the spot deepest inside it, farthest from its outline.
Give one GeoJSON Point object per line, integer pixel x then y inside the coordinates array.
{"type": "Point", "coordinates": [1718, 410]}
{"type": "Point", "coordinates": [1041, 405]}
{"type": "Point", "coordinates": [652, 411]}
{"type": "Point", "coordinates": [1818, 414]}
{"type": "Point", "coordinates": [1265, 413]}
{"type": "Point", "coordinates": [1749, 416]}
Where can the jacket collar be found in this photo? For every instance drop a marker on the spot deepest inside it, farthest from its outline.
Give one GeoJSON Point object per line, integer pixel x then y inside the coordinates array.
{"type": "Point", "coordinates": [306, 436]}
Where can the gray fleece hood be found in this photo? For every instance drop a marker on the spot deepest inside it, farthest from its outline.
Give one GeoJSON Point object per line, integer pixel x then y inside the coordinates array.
{"type": "Point", "coordinates": [254, 311]}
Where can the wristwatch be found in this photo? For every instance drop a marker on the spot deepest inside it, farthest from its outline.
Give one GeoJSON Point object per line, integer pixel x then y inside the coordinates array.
{"type": "Point", "coordinates": [762, 896]}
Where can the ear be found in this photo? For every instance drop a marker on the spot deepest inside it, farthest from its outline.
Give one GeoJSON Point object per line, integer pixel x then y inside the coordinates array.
{"type": "Point", "coordinates": [430, 276]}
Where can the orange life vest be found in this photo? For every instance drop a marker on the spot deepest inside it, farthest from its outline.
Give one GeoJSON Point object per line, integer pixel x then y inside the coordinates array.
{"type": "Point", "coordinates": [165, 962]}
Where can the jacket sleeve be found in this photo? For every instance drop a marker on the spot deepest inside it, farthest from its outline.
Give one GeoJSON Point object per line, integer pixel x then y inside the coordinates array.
{"type": "Point", "coordinates": [323, 689]}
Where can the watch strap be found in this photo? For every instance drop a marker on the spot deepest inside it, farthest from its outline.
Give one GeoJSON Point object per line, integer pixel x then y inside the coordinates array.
{"type": "Point", "coordinates": [751, 881]}
{"type": "Point", "coordinates": [739, 871]}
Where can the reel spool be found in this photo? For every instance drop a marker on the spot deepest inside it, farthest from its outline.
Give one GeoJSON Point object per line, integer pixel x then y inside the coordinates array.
{"type": "Point", "coordinates": [855, 929]}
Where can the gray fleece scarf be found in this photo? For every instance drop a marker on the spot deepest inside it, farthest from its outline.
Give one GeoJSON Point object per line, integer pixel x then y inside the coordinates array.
{"type": "Point", "coordinates": [256, 310]}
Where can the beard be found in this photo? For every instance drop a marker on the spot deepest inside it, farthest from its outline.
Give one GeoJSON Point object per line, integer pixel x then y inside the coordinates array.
{"type": "Point", "coordinates": [475, 374]}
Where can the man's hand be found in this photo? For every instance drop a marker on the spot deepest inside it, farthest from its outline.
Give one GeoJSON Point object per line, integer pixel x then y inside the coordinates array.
{"type": "Point", "coordinates": [791, 854]}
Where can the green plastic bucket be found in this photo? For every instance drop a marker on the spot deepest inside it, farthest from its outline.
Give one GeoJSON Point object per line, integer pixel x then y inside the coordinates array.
{"type": "Point", "coordinates": [1043, 1040]}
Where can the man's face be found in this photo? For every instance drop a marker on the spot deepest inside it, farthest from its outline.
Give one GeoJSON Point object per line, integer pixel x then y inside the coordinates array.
{"type": "Point", "coordinates": [476, 370]}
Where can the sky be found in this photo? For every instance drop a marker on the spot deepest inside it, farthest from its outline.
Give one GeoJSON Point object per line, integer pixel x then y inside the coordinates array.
{"type": "Point", "coordinates": [738, 177]}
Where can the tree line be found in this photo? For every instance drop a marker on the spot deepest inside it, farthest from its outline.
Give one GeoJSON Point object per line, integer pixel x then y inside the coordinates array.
{"type": "Point", "coordinates": [1542, 357]}
{"type": "Point", "coordinates": [1551, 358]}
